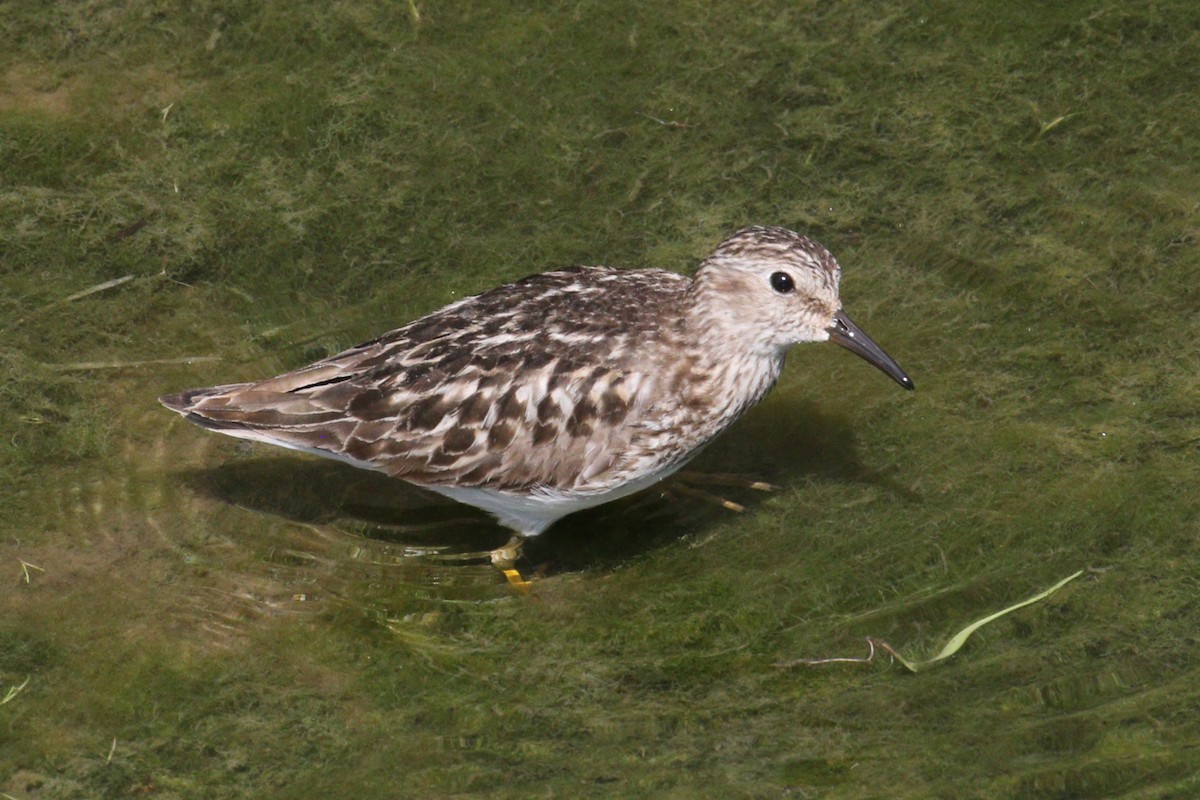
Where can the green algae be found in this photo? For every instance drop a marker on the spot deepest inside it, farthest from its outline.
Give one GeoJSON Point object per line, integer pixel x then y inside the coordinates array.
{"type": "Point", "coordinates": [1010, 192]}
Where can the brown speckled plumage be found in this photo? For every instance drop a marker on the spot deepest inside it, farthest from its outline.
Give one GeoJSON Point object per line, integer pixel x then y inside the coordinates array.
{"type": "Point", "coordinates": [557, 392]}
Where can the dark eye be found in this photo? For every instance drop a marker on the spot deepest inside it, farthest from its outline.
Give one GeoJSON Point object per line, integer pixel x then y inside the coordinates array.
{"type": "Point", "coordinates": [782, 283]}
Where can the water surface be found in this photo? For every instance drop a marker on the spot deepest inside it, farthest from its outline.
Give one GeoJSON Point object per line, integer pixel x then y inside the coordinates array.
{"type": "Point", "coordinates": [248, 188]}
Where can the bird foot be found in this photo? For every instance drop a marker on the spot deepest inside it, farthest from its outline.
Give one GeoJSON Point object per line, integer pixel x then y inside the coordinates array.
{"type": "Point", "coordinates": [505, 559]}
{"type": "Point", "coordinates": [720, 479]}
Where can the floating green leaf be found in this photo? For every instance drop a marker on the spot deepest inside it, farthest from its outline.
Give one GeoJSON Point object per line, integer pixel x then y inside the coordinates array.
{"type": "Point", "coordinates": [956, 642]}
{"type": "Point", "coordinates": [960, 638]}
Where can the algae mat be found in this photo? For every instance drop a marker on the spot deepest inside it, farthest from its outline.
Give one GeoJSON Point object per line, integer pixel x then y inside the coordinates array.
{"type": "Point", "coordinates": [227, 190]}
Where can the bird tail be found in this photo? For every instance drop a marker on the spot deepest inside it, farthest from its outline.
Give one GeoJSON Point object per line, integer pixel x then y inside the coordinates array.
{"type": "Point", "coordinates": [261, 412]}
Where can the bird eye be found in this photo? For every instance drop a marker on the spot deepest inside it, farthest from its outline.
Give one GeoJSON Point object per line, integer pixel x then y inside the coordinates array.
{"type": "Point", "coordinates": [782, 283]}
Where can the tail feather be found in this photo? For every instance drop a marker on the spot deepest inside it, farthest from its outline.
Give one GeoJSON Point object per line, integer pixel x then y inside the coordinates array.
{"type": "Point", "coordinates": [243, 411]}
{"type": "Point", "coordinates": [247, 405]}
{"type": "Point", "coordinates": [185, 401]}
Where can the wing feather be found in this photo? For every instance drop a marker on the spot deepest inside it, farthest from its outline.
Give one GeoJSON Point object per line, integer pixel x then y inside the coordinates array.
{"type": "Point", "coordinates": [539, 384]}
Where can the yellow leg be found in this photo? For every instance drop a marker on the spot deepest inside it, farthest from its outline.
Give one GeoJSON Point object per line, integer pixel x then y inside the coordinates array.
{"type": "Point", "coordinates": [505, 560]}
{"type": "Point", "coordinates": [684, 478]}
{"type": "Point", "coordinates": [725, 479]}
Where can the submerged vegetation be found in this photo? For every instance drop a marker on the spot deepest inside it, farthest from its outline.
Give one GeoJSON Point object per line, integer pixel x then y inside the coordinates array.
{"type": "Point", "coordinates": [230, 189]}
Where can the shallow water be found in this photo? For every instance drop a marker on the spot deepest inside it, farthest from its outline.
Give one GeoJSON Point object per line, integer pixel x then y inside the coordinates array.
{"type": "Point", "coordinates": [1011, 195]}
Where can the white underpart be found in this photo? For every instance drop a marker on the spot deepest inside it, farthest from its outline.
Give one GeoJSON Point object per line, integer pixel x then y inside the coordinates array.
{"type": "Point", "coordinates": [531, 514]}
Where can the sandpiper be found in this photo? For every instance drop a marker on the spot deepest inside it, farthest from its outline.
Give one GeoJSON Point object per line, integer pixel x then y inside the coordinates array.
{"type": "Point", "coordinates": [561, 391]}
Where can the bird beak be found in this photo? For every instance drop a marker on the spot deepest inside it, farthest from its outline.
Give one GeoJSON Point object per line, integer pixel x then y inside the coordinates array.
{"type": "Point", "coordinates": [843, 331]}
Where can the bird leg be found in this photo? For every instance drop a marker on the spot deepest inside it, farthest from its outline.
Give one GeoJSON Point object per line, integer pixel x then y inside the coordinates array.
{"type": "Point", "coordinates": [505, 559]}
{"type": "Point", "coordinates": [682, 480]}
{"type": "Point", "coordinates": [726, 479]}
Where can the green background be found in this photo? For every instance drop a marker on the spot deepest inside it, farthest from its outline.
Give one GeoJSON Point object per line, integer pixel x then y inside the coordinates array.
{"type": "Point", "coordinates": [1013, 194]}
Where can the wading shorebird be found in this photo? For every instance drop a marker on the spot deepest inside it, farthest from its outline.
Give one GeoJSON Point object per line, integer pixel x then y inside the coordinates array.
{"type": "Point", "coordinates": [561, 391]}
